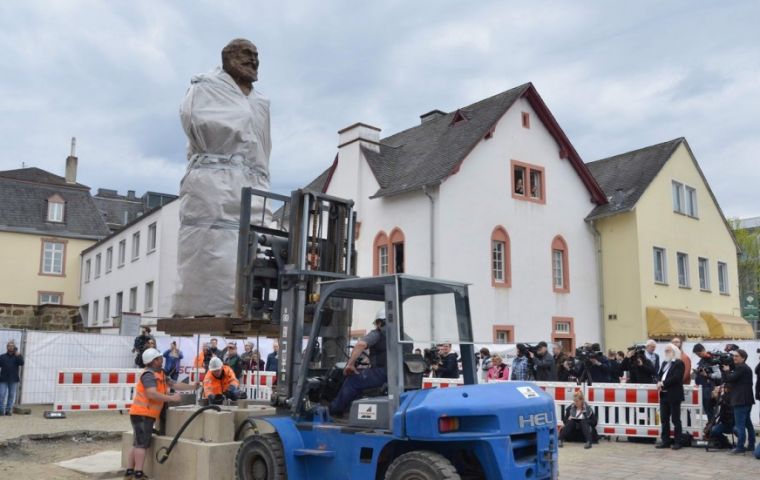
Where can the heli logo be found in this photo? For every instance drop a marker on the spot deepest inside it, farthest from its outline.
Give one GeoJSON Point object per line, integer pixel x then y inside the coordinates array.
{"type": "Point", "coordinates": [535, 420]}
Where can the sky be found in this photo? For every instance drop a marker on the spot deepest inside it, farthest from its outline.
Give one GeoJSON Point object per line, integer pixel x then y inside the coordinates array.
{"type": "Point", "coordinates": [617, 76]}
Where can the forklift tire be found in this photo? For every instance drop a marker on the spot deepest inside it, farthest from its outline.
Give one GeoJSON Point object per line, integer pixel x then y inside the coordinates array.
{"type": "Point", "coordinates": [421, 465]}
{"type": "Point", "coordinates": [260, 457]}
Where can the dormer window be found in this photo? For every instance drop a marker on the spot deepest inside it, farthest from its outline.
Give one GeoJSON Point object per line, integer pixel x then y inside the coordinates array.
{"type": "Point", "coordinates": [56, 205]}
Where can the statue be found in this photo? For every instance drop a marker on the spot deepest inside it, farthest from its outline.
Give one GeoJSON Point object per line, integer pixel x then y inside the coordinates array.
{"type": "Point", "coordinates": [227, 125]}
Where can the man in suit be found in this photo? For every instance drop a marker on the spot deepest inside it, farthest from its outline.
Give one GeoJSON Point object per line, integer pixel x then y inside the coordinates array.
{"type": "Point", "coordinates": [670, 386]}
{"type": "Point", "coordinates": [651, 355]}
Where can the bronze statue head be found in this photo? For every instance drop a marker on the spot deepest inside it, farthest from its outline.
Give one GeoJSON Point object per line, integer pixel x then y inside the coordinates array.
{"type": "Point", "coordinates": [240, 59]}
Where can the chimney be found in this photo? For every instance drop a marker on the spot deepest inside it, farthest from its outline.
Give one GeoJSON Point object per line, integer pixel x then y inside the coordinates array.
{"type": "Point", "coordinates": [351, 165]}
{"type": "Point", "coordinates": [618, 197]}
{"type": "Point", "coordinates": [131, 195]}
{"type": "Point", "coordinates": [71, 163]}
{"type": "Point", "coordinates": [431, 115]}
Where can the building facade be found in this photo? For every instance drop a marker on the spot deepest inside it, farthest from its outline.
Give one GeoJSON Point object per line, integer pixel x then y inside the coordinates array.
{"type": "Point", "coordinates": [119, 210]}
{"type": "Point", "coordinates": [669, 258]}
{"type": "Point", "coordinates": [46, 221]}
{"type": "Point", "coordinates": [132, 270]}
{"type": "Point", "coordinates": [492, 194]}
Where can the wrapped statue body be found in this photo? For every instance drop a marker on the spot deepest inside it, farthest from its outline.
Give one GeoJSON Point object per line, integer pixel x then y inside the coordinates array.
{"type": "Point", "coordinates": [227, 126]}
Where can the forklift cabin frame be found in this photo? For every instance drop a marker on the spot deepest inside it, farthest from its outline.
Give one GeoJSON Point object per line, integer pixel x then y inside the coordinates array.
{"type": "Point", "coordinates": [392, 290]}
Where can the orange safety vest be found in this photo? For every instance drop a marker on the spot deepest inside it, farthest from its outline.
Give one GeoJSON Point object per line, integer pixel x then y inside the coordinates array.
{"type": "Point", "coordinates": [141, 404]}
{"type": "Point", "coordinates": [217, 386]}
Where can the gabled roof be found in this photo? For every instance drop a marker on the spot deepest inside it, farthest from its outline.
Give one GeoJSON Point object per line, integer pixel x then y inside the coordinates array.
{"type": "Point", "coordinates": [625, 177]}
{"type": "Point", "coordinates": [631, 173]}
{"type": "Point", "coordinates": [428, 153]}
{"type": "Point", "coordinates": [24, 206]}
{"type": "Point", "coordinates": [37, 175]}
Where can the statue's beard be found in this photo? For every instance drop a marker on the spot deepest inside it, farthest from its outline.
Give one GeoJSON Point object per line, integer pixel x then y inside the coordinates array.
{"type": "Point", "coordinates": [244, 74]}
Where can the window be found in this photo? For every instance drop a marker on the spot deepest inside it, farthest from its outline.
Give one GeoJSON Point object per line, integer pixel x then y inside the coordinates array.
{"type": "Point", "coordinates": [53, 255]}
{"type": "Point", "coordinates": [526, 120]}
{"type": "Point", "coordinates": [704, 274]}
{"type": "Point", "coordinates": [106, 309]}
{"type": "Point", "coordinates": [503, 334]}
{"type": "Point", "coordinates": [563, 333]}
{"type": "Point", "coordinates": [135, 246]}
{"type": "Point", "coordinates": [87, 270]}
{"type": "Point", "coordinates": [500, 258]}
{"type": "Point", "coordinates": [122, 252]}
{"type": "Point", "coordinates": [683, 270]}
{"type": "Point", "coordinates": [397, 251]}
{"type": "Point", "coordinates": [380, 262]}
{"type": "Point", "coordinates": [55, 209]}
{"type": "Point", "coordinates": [84, 311]}
{"type": "Point", "coordinates": [691, 202]}
{"type": "Point", "coordinates": [151, 237]}
{"type": "Point", "coordinates": [560, 276]}
{"type": "Point", "coordinates": [133, 299]}
{"type": "Point", "coordinates": [148, 297]}
{"type": "Point", "coordinates": [660, 272]}
{"type": "Point", "coordinates": [109, 259]}
{"type": "Point", "coordinates": [50, 298]}
{"type": "Point", "coordinates": [528, 182]}
{"type": "Point", "coordinates": [119, 303]}
{"type": "Point", "coordinates": [97, 265]}
{"type": "Point", "coordinates": [678, 200]}
{"type": "Point", "coordinates": [723, 278]}
{"type": "Point", "coordinates": [95, 307]}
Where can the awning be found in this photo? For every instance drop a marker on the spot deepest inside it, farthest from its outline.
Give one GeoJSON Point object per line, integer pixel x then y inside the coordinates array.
{"type": "Point", "coordinates": [668, 322]}
{"type": "Point", "coordinates": [726, 326]}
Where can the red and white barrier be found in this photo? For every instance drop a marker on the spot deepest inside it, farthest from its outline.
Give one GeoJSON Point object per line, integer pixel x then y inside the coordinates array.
{"type": "Point", "coordinates": [432, 382]}
{"type": "Point", "coordinates": [258, 385]}
{"type": "Point", "coordinates": [94, 389]}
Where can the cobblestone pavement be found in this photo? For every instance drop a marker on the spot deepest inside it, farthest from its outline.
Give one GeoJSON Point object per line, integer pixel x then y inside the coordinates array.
{"type": "Point", "coordinates": [20, 425]}
{"type": "Point", "coordinates": [623, 460]}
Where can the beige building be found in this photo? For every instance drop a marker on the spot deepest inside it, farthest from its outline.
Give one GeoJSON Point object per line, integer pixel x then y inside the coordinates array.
{"type": "Point", "coordinates": [45, 223]}
{"type": "Point", "coordinates": [668, 256]}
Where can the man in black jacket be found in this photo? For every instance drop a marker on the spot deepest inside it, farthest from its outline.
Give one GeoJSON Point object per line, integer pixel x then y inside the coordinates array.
{"type": "Point", "coordinates": [543, 364]}
{"type": "Point", "coordinates": [639, 367]}
{"type": "Point", "coordinates": [739, 380]}
{"type": "Point", "coordinates": [448, 368]}
{"type": "Point", "coordinates": [707, 376]}
{"type": "Point", "coordinates": [10, 362]}
{"type": "Point", "coordinates": [670, 386]}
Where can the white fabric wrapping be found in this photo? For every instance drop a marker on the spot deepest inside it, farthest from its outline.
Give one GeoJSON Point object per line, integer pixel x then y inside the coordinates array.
{"type": "Point", "coordinates": [228, 148]}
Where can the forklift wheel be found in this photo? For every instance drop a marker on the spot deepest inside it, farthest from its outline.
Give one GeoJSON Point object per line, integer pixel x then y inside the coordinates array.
{"type": "Point", "coordinates": [421, 465]}
{"type": "Point", "coordinates": [260, 457]}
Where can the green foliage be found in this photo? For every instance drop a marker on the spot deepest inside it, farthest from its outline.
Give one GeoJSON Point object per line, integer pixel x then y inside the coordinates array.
{"type": "Point", "coordinates": [749, 257]}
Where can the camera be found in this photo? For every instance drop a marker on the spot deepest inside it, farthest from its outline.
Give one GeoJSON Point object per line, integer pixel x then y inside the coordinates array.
{"type": "Point", "coordinates": [638, 348]}
{"type": "Point", "coordinates": [720, 358]}
{"type": "Point", "coordinates": [586, 353]}
{"type": "Point", "coordinates": [431, 356]}
{"type": "Point", "coordinates": [527, 347]}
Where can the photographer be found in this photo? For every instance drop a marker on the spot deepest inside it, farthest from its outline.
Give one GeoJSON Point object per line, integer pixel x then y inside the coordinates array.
{"type": "Point", "coordinates": [448, 366]}
{"type": "Point", "coordinates": [640, 369]}
{"type": "Point", "coordinates": [522, 366]}
{"type": "Point", "coordinates": [707, 375]}
{"type": "Point", "coordinates": [722, 422]}
{"type": "Point", "coordinates": [739, 380]}
{"type": "Point", "coordinates": [566, 372]}
{"type": "Point", "coordinates": [591, 364]}
{"type": "Point", "coordinates": [543, 363]}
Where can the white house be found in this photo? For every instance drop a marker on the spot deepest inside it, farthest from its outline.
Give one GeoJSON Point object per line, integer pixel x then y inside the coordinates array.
{"type": "Point", "coordinates": [492, 194]}
{"type": "Point", "coordinates": [132, 270]}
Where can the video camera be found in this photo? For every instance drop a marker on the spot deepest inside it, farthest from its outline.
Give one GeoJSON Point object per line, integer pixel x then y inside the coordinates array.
{"type": "Point", "coordinates": [586, 353]}
{"type": "Point", "coordinates": [638, 348]}
{"type": "Point", "coordinates": [720, 358]}
{"type": "Point", "coordinates": [527, 347]}
{"type": "Point", "coordinates": [431, 356]}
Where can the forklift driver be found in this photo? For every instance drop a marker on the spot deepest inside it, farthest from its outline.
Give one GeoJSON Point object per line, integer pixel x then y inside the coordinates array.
{"type": "Point", "coordinates": [374, 376]}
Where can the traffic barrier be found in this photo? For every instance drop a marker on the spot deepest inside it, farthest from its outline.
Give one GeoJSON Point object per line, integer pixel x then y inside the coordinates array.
{"type": "Point", "coordinates": [94, 389]}
{"type": "Point", "coordinates": [258, 385]}
{"type": "Point", "coordinates": [432, 382]}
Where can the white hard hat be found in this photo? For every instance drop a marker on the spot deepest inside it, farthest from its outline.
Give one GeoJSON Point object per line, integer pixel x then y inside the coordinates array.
{"type": "Point", "coordinates": [380, 315]}
{"type": "Point", "coordinates": [215, 364]}
{"type": "Point", "coordinates": [149, 355]}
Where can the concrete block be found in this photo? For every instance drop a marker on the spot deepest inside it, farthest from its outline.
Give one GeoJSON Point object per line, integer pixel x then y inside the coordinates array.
{"type": "Point", "coordinates": [218, 426]}
{"type": "Point", "coordinates": [189, 460]}
{"type": "Point", "coordinates": [250, 403]}
{"type": "Point", "coordinates": [177, 416]}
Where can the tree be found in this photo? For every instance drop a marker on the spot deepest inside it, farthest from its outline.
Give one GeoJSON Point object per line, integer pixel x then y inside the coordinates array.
{"type": "Point", "coordinates": [748, 240]}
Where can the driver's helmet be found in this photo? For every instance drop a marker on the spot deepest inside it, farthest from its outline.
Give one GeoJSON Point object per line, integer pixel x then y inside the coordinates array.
{"type": "Point", "coordinates": [380, 317]}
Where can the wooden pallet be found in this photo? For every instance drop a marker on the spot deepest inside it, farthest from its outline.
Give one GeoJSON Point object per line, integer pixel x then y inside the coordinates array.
{"type": "Point", "coordinates": [222, 326]}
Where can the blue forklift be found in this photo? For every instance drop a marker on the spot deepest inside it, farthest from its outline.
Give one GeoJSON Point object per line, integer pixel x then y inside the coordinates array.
{"type": "Point", "coordinates": [296, 281]}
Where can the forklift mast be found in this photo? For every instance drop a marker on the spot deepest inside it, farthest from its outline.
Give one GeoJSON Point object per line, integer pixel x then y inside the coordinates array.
{"type": "Point", "coordinates": [280, 267]}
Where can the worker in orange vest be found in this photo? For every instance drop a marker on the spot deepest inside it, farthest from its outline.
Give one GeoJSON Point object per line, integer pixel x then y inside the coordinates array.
{"type": "Point", "coordinates": [151, 392]}
{"type": "Point", "coordinates": [221, 382]}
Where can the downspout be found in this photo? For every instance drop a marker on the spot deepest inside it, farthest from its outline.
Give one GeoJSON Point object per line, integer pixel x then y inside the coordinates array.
{"type": "Point", "coordinates": [600, 283]}
{"type": "Point", "coordinates": [431, 248]}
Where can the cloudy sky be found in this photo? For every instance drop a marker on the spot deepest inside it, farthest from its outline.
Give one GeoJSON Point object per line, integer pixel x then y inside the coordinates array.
{"type": "Point", "coordinates": [617, 75]}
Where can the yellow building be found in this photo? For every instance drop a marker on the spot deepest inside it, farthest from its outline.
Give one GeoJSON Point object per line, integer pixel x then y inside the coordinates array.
{"type": "Point", "coordinates": [45, 223]}
{"type": "Point", "coordinates": [668, 256]}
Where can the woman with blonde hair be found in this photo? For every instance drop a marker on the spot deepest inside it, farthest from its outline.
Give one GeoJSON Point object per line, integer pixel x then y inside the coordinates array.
{"type": "Point", "coordinates": [670, 385]}
{"type": "Point", "coordinates": [498, 370]}
{"type": "Point", "coordinates": [579, 418]}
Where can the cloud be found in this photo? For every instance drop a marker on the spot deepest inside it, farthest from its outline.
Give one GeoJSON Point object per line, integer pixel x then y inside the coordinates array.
{"type": "Point", "coordinates": [617, 77]}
